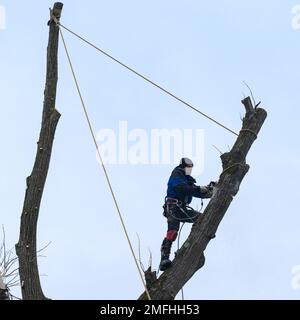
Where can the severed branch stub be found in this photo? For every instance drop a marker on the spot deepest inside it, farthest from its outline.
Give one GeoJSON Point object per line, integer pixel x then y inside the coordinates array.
{"type": "Point", "coordinates": [26, 248]}
{"type": "Point", "coordinates": [190, 257]}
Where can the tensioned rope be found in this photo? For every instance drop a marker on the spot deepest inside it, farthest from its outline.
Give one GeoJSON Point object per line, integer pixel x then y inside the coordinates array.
{"type": "Point", "coordinates": [147, 79]}
{"type": "Point", "coordinates": [101, 161]}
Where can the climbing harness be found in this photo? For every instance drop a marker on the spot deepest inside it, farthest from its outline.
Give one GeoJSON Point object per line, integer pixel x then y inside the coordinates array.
{"type": "Point", "coordinates": [173, 201]}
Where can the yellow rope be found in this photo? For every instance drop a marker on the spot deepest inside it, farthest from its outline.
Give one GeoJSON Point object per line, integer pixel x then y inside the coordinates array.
{"type": "Point", "coordinates": [230, 167]}
{"type": "Point", "coordinates": [102, 164]}
{"type": "Point", "coordinates": [145, 78]}
{"type": "Point", "coordinates": [249, 130]}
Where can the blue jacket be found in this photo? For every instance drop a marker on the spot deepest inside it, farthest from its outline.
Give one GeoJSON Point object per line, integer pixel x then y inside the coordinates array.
{"type": "Point", "coordinates": [182, 187]}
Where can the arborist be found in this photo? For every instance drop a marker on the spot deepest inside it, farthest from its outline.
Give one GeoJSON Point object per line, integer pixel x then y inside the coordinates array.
{"type": "Point", "coordinates": [181, 190]}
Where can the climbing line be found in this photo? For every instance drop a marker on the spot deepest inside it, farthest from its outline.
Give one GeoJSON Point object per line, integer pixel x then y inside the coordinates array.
{"type": "Point", "coordinates": [249, 130]}
{"type": "Point", "coordinates": [230, 167]}
{"type": "Point", "coordinates": [102, 164]}
{"type": "Point", "coordinates": [178, 240]}
{"type": "Point", "coordinates": [146, 78]}
{"type": "Point", "coordinates": [178, 246]}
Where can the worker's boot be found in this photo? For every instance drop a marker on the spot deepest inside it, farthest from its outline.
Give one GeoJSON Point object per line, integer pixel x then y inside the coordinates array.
{"type": "Point", "coordinates": [165, 262]}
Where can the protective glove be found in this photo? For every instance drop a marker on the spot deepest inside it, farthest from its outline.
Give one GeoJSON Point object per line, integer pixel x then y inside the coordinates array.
{"type": "Point", "coordinates": [204, 189]}
{"type": "Point", "coordinates": [206, 193]}
{"type": "Point", "coordinates": [211, 185]}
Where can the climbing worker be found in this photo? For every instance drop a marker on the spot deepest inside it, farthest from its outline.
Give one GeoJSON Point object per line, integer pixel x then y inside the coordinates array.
{"type": "Point", "coordinates": [181, 190]}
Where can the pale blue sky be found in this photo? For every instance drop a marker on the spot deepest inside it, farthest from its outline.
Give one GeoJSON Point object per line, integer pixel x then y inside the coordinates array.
{"type": "Point", "coordinates": [201, 50]}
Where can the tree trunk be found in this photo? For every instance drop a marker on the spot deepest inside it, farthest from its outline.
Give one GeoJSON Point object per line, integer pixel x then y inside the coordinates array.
{"type": "Point", "coordinates": [190, 257]}
{"type": "Point", "coordinates": [26, 248]}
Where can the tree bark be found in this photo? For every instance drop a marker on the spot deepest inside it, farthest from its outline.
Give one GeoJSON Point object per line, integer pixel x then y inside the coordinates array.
{"type": "Point", "coordinates": [26, 248]}
{"type": "Point", "coordinates": [190, 257]}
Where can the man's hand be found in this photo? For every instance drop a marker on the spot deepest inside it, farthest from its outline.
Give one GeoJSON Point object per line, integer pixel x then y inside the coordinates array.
{"type": "Point", "coordinates": [207, 191]}
{"type": "Point", "coordinates": [211, 185]}
{"type": "Point", "coordinates": [204, 189]}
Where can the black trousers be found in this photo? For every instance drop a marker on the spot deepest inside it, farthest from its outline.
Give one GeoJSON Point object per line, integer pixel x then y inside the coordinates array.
{"type": "Point", "coordinates": [176, 214]}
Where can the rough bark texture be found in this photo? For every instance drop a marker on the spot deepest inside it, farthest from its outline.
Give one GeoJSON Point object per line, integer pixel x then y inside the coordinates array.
{"type": "Point", "coordinates": [190, 257]}
{"type": "Point", "coordinates": [26, 248]}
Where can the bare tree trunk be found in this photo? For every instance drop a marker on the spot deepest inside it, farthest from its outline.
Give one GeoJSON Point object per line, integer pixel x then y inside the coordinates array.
{"type": "Point", "coordinates": [26, 248]}
{"type": "Point", "coordinates": [190, 257]}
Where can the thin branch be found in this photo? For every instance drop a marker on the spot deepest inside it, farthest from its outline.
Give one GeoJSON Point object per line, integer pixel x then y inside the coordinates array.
{"type": "Point", "coordinates": [43, 248]}
{"type": "Point", "coordinates": [4, 246]}
{"type": "Point", "coordinates": [150, 258]}
{"type": "Point", "coordinates": [13, 280]}
{"type": "Point", "coordinates": [11, 273]}
{"type": "Point", "coordinates": [252, 96]}
{"type": "Point", "coordinates": [139, 253]}
{"type": "Point", "coordinates": [8, 272]}
{"type": "Point", "coordinates": [13, 296]}
{"type": "Point", "coordinates": [218, 149]}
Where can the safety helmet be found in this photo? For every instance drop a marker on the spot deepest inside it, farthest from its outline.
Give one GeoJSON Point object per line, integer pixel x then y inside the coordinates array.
{"type": "Point", "coordinates": [186, 162]}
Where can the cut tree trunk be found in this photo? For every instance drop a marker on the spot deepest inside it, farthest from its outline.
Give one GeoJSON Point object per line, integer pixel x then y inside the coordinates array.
{"type": "Point", "coordinates": [26, 248]}
{"type": "Point", "coordinates": [190, 257]}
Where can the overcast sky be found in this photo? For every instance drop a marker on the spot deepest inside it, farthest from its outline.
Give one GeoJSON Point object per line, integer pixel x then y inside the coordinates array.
{"type": "Point", "coordinates": [200, 50]}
